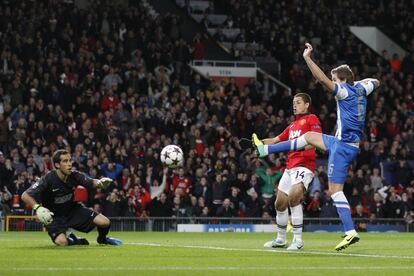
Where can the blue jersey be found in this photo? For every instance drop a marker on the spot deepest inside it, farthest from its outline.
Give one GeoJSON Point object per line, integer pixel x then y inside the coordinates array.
{"type": "Point", "coordinates": [351, 109]}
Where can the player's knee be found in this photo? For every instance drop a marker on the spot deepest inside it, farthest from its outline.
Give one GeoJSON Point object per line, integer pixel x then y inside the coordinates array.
{"type": "Point", "coordinates": [61, 240]}
{"type": "Point", "coordinates": [281, 205]}
{"type": "Point", "coordinates": [296, 195]}
{"type": "Point", "coordinates": [295, 200]}
{"type": "Point", "coordinates": [102, 221]}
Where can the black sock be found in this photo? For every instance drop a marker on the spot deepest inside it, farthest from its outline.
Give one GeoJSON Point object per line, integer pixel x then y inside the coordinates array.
{"type": "Point", "coordinates": [103, 232]}
{"type": "Point", "coordinates": [72, 241]}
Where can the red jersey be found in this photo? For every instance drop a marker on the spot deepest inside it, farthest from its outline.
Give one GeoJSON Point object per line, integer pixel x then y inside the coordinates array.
{"type": "Point", "coordinates": [302, 124]}
{"type": "Point", "coordinates": [181, 182]}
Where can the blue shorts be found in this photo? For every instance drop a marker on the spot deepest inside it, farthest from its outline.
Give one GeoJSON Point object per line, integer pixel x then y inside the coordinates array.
{"type": "Point", "coordinates": [341, 156]}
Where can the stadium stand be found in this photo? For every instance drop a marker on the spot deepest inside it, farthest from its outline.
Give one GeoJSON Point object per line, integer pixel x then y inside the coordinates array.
{"type": "Point", "coordinates": [112, 85]}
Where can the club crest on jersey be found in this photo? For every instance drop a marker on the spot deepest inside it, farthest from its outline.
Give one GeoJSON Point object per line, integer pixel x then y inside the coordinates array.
{"type": "Point", "coordinates": [294, 134]}
{"type": "Point", "coordinates": [302, 122]}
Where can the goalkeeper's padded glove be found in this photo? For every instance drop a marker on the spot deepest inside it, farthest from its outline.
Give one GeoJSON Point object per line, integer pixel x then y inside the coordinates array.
{"type": "Point", "coordinates": [43, 214]}
{"type": "Point", "coordinates": [104, 183]}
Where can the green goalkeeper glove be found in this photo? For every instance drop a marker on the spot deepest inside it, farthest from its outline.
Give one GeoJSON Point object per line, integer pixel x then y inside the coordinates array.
{"type": "Point", "coordinates": [43, 214]}
{"type": "Point", "coordinates": [104, 183]}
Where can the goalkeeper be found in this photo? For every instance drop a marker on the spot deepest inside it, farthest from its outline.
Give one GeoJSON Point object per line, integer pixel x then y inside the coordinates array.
{"type": "Point", "coordinates": [52, 199]}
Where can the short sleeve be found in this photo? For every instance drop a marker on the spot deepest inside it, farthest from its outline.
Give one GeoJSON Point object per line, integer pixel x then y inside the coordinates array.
{"type": "Point", "coordinates": [340, 92]}
{"type": "Point", "coordinates": [284, 136]}
{"type": "Point", "coordinates": [368, 85]}
{"type": "Point", "coordinates": [38, 188]}
{"type": "Point", "coordinates": [314, 124]}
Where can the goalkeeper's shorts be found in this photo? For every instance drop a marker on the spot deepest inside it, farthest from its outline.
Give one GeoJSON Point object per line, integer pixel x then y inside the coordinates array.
{"type": "Point", "coordinates": [79, 218]}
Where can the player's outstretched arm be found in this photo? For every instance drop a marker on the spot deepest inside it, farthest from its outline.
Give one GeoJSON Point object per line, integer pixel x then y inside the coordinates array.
{"type": "Point", "coordinates": [316, 71]}
{"type": "Point", "coordinates": [375, 82]}
{"type": "Point", "coordinates": [29, 200]}
{"type": "Point", "coordinates": [42, 213]}
{"type": "Point", "coordinates": [271, 141]}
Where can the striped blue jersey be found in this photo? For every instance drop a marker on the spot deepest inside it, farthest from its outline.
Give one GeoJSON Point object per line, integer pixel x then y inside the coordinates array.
{"type": "Point", "coordinates": [351, 101]}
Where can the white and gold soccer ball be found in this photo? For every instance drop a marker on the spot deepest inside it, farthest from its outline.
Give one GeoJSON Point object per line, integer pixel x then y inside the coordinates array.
{"type": "Point", "coordinates": [172, 156]}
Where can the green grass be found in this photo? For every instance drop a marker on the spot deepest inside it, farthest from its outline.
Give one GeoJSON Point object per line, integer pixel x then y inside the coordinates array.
{"type": "Point", "coordinates": [206, 253]}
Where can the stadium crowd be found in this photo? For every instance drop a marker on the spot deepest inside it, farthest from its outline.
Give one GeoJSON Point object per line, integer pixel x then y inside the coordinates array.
{"type": "Point", "coordinates": [112, 85]}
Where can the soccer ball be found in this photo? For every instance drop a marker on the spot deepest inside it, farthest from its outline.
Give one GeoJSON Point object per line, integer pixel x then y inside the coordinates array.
{"type": "Point", "coordinates": [172, 156]}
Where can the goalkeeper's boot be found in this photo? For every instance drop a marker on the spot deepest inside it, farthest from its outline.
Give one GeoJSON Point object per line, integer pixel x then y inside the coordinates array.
{"type": "Point", "coordinates": [258, 145]}
{"type": "Point", "coordinates": [347, 241]}
{"type": "Point", "coordinates": [296, 245]}
{"type": "Point", "coordinates": [109, 241]}
{"type": "Point", "coordinates": [276, 243]}
{"type": "Point", "coordinates": [77, 240]}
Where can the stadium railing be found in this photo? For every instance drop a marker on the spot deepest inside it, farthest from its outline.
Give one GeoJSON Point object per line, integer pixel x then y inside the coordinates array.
{"type": "Point", "coordinates": [214, 224]}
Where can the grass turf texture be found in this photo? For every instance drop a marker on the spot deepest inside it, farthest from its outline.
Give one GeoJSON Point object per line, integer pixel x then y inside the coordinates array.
{"type": "Point", "coordinates": [31, 253]}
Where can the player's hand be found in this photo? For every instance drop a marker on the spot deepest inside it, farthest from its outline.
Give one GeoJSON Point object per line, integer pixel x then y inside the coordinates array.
{"type": "Point", "coordinates": [104, 182]}
{"type": "Point", "coordinates": [44, 215]}
{"type": "Point", "coordinates": [308, 50]}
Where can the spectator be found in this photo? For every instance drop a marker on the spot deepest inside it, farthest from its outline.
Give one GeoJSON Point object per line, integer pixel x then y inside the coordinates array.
{"type": "Point", "coordinates": [362, 218]}
{"type": "Point", "coordinates": [269, 180]}
{"type": "Point", "coordinates": [253, 205]}
{"type": "Point", "coordinates": [328, 209]}
{"type": "Point", "coordinates": [225, 211]}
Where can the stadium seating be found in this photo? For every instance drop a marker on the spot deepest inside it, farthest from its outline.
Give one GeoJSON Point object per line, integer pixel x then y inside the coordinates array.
{"type": "Point", "coordinates": [114, 88]}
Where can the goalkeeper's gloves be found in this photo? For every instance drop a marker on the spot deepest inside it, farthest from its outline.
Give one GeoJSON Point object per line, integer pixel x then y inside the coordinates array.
{"type": "Point", "coordinates": [43, 214]}
{"type": "Point", "coordinates": [104, 182]}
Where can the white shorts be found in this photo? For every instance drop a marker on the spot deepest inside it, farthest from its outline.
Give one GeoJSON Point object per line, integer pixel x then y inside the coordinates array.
{"type": "Point", "coordinates": [295, 176]}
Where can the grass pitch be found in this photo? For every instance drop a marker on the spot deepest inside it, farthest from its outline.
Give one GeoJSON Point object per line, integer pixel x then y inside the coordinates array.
{"type": "Point", "coordinates": [206, 253]}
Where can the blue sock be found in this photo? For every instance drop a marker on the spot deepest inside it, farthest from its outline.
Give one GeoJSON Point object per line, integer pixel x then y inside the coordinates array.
{"type": "Point", "coordinates": [290, 145]}
{"type": "Point", "coordinates": [344, 212]}
{"type": "Point", "coordinates": [279, 147]}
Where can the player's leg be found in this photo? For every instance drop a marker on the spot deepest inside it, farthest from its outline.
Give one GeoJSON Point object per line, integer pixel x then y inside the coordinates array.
{"type": "Point", "coordinates": [310, 138]}
{"type": "Point", "coordinates": [340, 157]}
{"type": "Point", "coordinates": [295, 202]}
{"type": "Point", "coordinates": [84, 220]}
{"type": "Point", "coordinates": [300, 177]}
{"type": "Point", "coordinates": [76, 240]}
{"type": "Point", "coordinates": [61, 240]}
{"type": "Point", "coordinates": [57, 232]}
{"type": "Point", "coordinates": [282, 214]}
{"type": "Point", "coordinates": [103, 224]}
{"type": "Point", "coordinates": [344, 212]}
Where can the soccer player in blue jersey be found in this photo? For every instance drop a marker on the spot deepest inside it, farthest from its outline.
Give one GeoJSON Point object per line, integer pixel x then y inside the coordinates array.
{"type": "Point", "coordinates": [351, 98]}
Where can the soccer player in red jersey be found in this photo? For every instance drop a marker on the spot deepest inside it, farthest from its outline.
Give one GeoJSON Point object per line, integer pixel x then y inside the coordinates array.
{"type": "Point", "coordinates": [298, 173]}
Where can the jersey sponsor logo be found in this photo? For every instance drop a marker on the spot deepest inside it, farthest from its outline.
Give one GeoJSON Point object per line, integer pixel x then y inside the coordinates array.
{"type": "Point", "coordinates": [294, 134]}
{"type": "Point", "coordinates": [63, 199]}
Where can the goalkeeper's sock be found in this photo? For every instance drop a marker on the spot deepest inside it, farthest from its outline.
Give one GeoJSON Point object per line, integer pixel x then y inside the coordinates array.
{"type": "Point", "coordinates": [297, 221]}
{"type": "Point", "coordinates": [73, 240]}
{"type": "Point", "coordinates": [281, 223]}
{"type": "Point", "coordinates": [103, 231]}
{"type": "Point", "coordinates": [291, 145]}
{"type": "Point", "coordinates": [344, 212]}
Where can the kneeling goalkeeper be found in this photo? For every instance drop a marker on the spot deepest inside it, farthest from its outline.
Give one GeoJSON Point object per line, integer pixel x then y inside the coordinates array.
{"type": "Point", "coordinates": [52, 199]}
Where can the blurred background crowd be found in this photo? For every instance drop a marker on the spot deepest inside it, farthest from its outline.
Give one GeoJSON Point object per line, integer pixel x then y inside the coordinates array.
{"type": "Point", "coordinates": [112, 85]}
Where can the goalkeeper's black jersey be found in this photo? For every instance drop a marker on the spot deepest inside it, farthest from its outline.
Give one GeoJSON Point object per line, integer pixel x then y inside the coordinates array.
{"type": "Point", "coordinates": [56, 195]}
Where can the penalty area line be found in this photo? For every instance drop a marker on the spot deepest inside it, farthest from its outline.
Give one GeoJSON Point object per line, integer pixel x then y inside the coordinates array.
{"type": "Point", "coordinates": [321, 253]}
